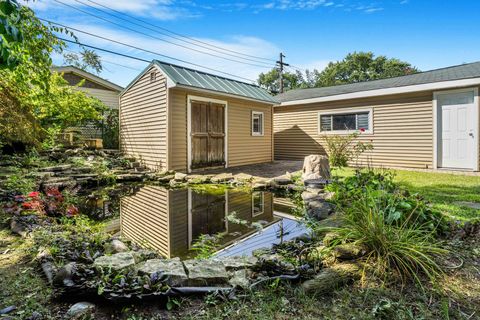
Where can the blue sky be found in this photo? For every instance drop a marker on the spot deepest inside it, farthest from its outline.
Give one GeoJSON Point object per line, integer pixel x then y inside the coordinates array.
{"type": "Point", "coordinates": [428, 34]}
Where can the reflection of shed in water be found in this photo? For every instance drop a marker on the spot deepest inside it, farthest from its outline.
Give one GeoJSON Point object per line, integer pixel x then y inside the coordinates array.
{"type": "Point", "coordinates": [170, 220]}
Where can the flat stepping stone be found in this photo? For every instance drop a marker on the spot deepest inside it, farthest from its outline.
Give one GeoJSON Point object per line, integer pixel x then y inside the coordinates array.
{"type": "Point", "coordinates": [468, 204]}
{"type": "Point", "coordinates": [171, 268]}
{"type": "Point", "coordinates": [206, 272]}
{"type": "Point", "coordinates": [58, 168]}
{"type": "Point", "coordinates": [238, 262]}
{"type": "Point", "coordinates": [116, 261]}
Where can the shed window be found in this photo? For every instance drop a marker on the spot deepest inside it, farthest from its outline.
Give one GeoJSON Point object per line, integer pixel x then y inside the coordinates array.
{"type": "Point", "coordinates": [153, 77]}
{"type": "Point", "coordinates": [257, 123]}
{"type": "Point", "coordinates": [345, 121]}
{"type": "Point", "coordinates": [257, 203]}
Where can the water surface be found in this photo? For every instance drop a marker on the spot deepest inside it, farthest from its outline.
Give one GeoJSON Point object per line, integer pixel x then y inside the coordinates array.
{"type": "Point", "coordinates": [171, 221]}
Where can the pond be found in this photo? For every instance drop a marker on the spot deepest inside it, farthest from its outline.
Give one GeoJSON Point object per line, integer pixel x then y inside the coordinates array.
{"type": "Point", "coordinates": [173, 221]}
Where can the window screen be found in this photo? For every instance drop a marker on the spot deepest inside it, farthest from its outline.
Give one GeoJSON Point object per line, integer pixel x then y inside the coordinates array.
{"type": "Point", "coordinates": [257, 123]}
{"type": "Point", "coordinates": [345, 121]}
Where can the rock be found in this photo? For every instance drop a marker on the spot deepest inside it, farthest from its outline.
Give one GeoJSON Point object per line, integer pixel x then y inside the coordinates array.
{"type": "Point", "coordinates": [348, 251]}
{"type": "Point", "coordinates": [240, 279]}
{"type": "Point", "coordinates": [115, 246]}
{"type": "Point", "coordinates": [116, 261]}
{"type": "Point", "coordinates": [40, 175]}
{"type": "Point", "coordinates": [276, 263]}
{"type": "Point", "coordinates": [180, 177]}
{"type": "Point", "coordinates": [316, 191]}
{"type": "Point", "coordinates": [282, 181]}
{"type": "Point", "coordinates": [206, 272]}
{"type": "Point", "coordinates": [130, 177]}
{"type": "Point", "coordinates": [197, 179]}
{"type": "Point", "coordinates": [35, 316]}
{"type": "Point", "coordinates": [235, 263]}
{"type": "Point", "coordinates": [171, 268]}
{"type": "Point", "coordinates": [261, 251]}
{"type": "Point", "coordinates": [8, 309]}
{"type": "Point", "coordinates": [222, 178]}
{"type": "Point", "coordinates": [166, 178]}
{"type": "Point", "coordinates": [330, 279]}
{"type": "Point", "coordinates": [64, 276]}
{"type": "Point", "coordinates": [329, 238]}
{"type": "Point", "coordinates": [316, 167]}
{"type": "Point", "coordinates": [80, 310]}
{"type": "Point", "coordinates": [143, 255]}
{"type": "Point", "coordinates": [243, 177]}
{"type": "Point", "coordinates": [62, 167]}
{"type": "Point", "coordinates": [319, 209]}
{"type": "Point", "coordinates": [49, 270]}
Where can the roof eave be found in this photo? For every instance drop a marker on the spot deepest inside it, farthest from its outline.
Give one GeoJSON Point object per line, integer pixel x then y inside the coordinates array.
{"type": "Point", "coordinates": [89, 76]}
{"type": "Point", "coordinates": [223, 94]}
{"type": "Point", "coordinates": [387, 91]}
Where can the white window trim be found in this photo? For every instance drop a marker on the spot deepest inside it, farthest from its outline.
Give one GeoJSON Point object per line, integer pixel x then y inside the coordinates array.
{"type": "Point", "coordinates": [191, 98]}
{"type": "Point", "coordinates": [257, 134]}
{"type": "Point", "coordinates": [262, 199]}
{"type": "Point", "coordinates": [437, 152]}
{"type": "Point", "coordinates": [345, 111]}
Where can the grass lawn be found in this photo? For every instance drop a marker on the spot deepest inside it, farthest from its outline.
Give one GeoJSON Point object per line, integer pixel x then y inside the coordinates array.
{"type": "Point", "coordinates": [444, 191]}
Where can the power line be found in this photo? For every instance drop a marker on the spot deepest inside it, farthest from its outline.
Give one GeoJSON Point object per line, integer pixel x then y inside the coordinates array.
{"type": "Point", "coordinates": [191, 41]}
{"type": "Point", "coordinates": [148, 61]}
{"type": "Point", "coordinates": [107, 61]}
{"type": "Point", "coordinates": [157, 38]}
{"type": "Point", "coordinates": [180, 35]}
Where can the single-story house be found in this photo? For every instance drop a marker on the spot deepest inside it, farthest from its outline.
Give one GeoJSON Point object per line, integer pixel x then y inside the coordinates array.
{"type": "Point", "coordinates": [424, 120]}
{"type": "Point", "coordinates": [176, 118]}
{"type": "Point", "coordinates": [95, 86]}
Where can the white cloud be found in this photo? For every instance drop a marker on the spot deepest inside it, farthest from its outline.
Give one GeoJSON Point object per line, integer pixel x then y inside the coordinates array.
{"type": "Point", "coordinates": [159, 9]}
{"type": "Point", "coordinates": [245, 44]}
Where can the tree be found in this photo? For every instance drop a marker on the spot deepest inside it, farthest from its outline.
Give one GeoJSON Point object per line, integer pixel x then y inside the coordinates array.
{"type": "Point", "coordinates": [32, 98]}
{"type": "Point", "coordinates": [362, 66]}
{"type": "Point", "coordinates": [85, 60]}
{"type": "Point", "coordinates": [271, 80]}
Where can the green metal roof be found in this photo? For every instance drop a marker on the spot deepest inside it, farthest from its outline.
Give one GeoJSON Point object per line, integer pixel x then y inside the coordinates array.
{"type": "Point", "coordinates": [464, 71]}
{"type": "Point", "coordinates": [206, 81]}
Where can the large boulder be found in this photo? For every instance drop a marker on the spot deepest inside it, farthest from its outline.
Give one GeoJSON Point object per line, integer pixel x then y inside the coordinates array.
{"type": "Point", "coordinates": [206, 272]}
{"type": "Point", "coordinates": [240, 279]}
{"type": "Point", "coordinates": [116, 261]}
{"type": "Point", "coordinates": [172, 269]}
{"type": "Point", "coordinates": [319, 209]}
{"type": "Point", "coordinates": [64, 276]}
{"type": "Point", "coordinates": [316, 167]}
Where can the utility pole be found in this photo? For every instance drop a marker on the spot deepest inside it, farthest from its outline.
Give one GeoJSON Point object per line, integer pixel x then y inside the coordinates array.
{"type": "Point", "coordinates": [281, 64]}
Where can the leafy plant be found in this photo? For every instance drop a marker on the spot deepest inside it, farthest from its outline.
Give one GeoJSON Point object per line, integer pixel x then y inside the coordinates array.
{"type": "Point", "coordinates": [396, 228]}
{"type": "Point", "coordinates": [206, 245]}
{"type": "Point", "coordinates": [343, 149]}
{"type": "Point", "coordinates": [19, 183]}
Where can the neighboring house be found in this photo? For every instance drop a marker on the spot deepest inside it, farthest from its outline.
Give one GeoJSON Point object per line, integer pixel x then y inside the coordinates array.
{"type": "Point", "coordinates": [97, 87]}
{"type": "Point", "coordinates": [182, 119]}
{"type": "Point", "coordinates": [424, 120]}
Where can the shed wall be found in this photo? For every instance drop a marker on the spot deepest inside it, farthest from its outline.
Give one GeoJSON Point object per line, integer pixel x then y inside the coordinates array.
{"type": "Point", "coordinates": [143, 120]}
{"type": "Point", "coordinates": [243, 148]}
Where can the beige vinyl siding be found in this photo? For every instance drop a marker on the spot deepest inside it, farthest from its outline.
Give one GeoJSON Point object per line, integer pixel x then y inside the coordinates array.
{"type": "Point", "coordinates": [402, 130]}
{"type": "Point", "coordinates": [145, 218]}
{"type": "Point", "coordinates": [243, 148]}
{"type": "Point", "coordinates": [143, 121]}
{"type": "Point", "coordinates": [109, 98]}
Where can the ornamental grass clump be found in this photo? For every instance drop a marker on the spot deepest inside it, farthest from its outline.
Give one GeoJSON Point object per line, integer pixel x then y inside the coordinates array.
{"type": "Point", "coordinates": [397, 228]}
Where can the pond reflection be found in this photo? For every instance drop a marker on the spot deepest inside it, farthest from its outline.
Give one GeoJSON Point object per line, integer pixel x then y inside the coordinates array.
{"type": "Point", "coordinates": [172, 220]}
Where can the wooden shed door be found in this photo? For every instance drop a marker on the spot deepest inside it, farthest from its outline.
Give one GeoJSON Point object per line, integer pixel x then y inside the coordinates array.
{"type": "Point", "coordinates": [208, 134]}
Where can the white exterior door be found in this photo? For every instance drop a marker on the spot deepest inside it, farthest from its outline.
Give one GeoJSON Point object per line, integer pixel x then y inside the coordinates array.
{"type": "Point", "coordinates": [457, 131]}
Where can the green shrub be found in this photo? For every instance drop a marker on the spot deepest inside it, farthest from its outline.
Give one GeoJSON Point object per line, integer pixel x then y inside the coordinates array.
{"type": "Point", "coordinates": [19, 183]}
{"type": "Point", "coordinates": [343, 149]}
{"type": "Point", "coordinates": [377, 188]}
{"type": "Point", "coordinates": [397, 228]}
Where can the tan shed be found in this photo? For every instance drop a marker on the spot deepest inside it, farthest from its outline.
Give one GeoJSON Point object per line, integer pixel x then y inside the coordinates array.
{"type": "Point", "coordinates": [175, 118]}
{"type": "Point", "coordinates": [425, 120]}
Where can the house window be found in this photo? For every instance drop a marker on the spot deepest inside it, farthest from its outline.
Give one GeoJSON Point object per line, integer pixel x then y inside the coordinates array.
{"type": "Point", "coordinates": [257, 203]}
{"type": "Point", "coordinates": [257, 123]}
{"type": "Point", "coordinates": [349, 121]}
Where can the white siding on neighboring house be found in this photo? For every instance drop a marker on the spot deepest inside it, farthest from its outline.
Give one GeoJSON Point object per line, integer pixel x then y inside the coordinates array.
{"type": "Point", "coordinates": [109, 98]}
